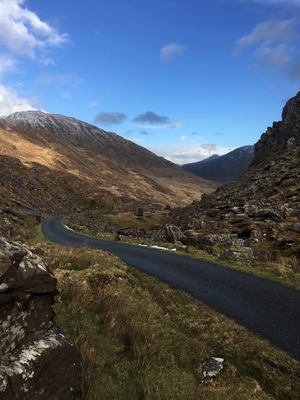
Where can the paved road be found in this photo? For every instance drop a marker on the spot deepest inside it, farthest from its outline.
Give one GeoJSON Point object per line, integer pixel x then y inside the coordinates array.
{"type": "Point", "coordinates": [268, 309]}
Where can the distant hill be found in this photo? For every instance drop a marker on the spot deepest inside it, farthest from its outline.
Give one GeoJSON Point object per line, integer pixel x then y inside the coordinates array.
{"type": "Point", "coordinates": [223, 168]}
{"type": "Point", "coordinates": [62, 164]}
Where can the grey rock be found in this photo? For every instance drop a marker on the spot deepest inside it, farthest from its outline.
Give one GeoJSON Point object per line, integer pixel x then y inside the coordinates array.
{"type": "Point", "coordinates": [139, 212]}
{"type": "Point", "coordinates": [236, 255]}
{"type": "Point", "coordinates": [247, 251]}
{"type": "Point", "coordinates": [37, 361]}
{"type": "Point", "coordinates": [173, 234]}
{"type": "Point", "coordinates": [296, 227]}
{"type": "Point", "coordinates": [250, 242]}
{"type": "Point", "coordinates": [284, 242]}
{"type": "Point", "coordinates": [256, 234]}
{"type": "Point", "coordinates": [241, 224]}
{"type": "Point", "coordinates": [212, 367]}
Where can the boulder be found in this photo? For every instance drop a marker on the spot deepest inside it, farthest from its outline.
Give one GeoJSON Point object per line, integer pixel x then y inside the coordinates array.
{"type": "Point", "coordinates": [296, 227]}
{"type": "Point", "coordinates": [139, 212]}
{"type": "Point", "coordinates": [212, 367]}
{"type": "Point", "coordinates": [37, 361]}
{"type": "Point", "coordinates": [284, 242]}
{"type": "Point", "coordinates": [204, 241]}
{"type": "Point", "coordinates": [173, 234]}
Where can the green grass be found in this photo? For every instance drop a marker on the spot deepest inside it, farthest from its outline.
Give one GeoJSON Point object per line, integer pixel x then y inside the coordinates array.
{"type": "Point", "coordinates": [140, 339]}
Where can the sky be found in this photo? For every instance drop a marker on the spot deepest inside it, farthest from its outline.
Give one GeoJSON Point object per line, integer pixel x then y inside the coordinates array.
{"type": "Point", "coordinates": [185, 79]}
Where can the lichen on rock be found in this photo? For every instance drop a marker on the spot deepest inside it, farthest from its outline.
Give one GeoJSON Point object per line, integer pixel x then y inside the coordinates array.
{"type": "Point", "coordinates": [37, 361]}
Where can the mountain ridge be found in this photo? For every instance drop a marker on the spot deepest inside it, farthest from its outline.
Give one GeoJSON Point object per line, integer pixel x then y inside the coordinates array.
{"type": "Point", "coordinates": [224, 168]}
{"type": "Point", "coordinates": [107, 164]}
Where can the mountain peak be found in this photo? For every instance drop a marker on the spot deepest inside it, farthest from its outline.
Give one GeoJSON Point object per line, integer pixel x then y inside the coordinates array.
{"type": "Point", "coordinates": [75, 131]}
{"type": "Point", "coordinates": [275, 139]}
{"type": "Point", "coordinates": [291, 111]}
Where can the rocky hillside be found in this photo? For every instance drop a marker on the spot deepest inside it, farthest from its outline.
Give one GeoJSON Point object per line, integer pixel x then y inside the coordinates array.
{"type": "Point", "coordinates": [59, 164]}
{"type": "Point", "coordinates": [224, 168]}
{"type": "Point", "coordinates": [257, 215]}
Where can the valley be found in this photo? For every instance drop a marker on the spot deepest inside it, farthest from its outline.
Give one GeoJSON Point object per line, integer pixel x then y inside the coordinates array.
{"type": "Point", "coordinates": [138, 337]}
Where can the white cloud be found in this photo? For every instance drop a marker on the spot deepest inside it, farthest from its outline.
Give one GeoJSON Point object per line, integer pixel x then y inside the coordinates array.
{"type": "Point", "coordinates": [276, 56]}
{"type": "Point", "coordinates": [170, 51]}
{"type": "Point", "coordinates": [138, 126]}
{"type": "Point", "coordinates": [66, 94]}
{"type": "Point", "coordinates": [47, 61]}
{"type": "Point", "coordinates": [92, 104]}
{"type": "Point", "coordinates": [136, 140]}
{"type": "Point", "coordinates": [10, 102]}
{"type": "Point", "coordinates": [183, 154]}
{"type": "Point", "coordinates": [22, 32]}
{"type": "Point", "coordinates": [268, 32]}
{"type": "Point", "coordinates": [7, 64]}
{"type": "Point", "coordinates": [273, 88]}
{"type": "Point", "coordinates": [273, 40]}
{"type": "Point", "coordinates": [172, 125]}
{"type": "Point", "coordinates": [61, 79]}
{"type": "Point", "coordinates": [175, 125]}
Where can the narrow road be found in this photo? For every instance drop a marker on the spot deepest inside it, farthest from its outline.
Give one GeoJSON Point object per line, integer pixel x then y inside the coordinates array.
{"type": "Point", "coordinates": [266, 308]}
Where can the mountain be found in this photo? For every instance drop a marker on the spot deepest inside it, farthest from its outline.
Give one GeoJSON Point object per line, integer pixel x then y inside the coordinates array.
{"type": "Point", "coordinates": [211, 158]}
{"type": "Point", "coordinates": [257, 215]}
{"type": "Point", "coordinates": [223, 168]}
{"type": "Point", "coordinates": [60, 164]}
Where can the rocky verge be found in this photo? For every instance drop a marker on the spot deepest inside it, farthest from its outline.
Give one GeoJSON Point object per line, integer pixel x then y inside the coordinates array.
{"type": "Point", "coordinates": [37, 361]}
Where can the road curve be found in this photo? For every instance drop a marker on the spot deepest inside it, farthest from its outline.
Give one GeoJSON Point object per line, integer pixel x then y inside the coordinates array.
{"type": "Point", "coordinates": [266, 308]}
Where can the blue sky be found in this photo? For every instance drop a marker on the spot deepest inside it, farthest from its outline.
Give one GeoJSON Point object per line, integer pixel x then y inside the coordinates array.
{"type": "Point", "coordinates": [184, 78]}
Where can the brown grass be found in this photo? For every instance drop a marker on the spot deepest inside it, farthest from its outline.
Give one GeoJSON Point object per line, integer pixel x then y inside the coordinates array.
{"type": "Point", "coordinates": [139, 339]}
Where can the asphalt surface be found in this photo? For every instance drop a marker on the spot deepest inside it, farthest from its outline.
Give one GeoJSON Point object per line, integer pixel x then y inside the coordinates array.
{"type": "Point", "coordinates": [266, 308]}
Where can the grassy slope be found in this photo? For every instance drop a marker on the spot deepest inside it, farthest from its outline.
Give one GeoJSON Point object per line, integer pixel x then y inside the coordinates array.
{"type": "Point", "coordinates": [139, 339]}
{"type": "Point", "coordinates": [124, 173]}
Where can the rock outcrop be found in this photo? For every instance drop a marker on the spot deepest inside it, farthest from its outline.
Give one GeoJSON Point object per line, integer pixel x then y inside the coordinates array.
{"type": "Point", "coordinates": [277, 137]}
{"type": "Point", "coordinates": [261, 208]}
{"type": "Point", "coordinates": [37, 361]}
